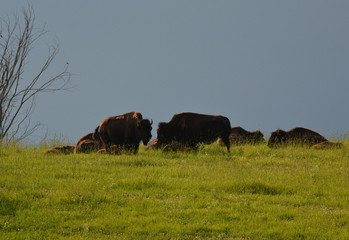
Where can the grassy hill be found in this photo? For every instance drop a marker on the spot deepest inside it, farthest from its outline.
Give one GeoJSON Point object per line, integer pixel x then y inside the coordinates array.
{"type": "Point", "coordinates": [252, 193]}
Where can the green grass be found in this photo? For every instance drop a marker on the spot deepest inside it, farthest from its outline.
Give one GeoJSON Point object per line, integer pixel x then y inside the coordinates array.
{"type": "Point", "coordinates": [252, 193]}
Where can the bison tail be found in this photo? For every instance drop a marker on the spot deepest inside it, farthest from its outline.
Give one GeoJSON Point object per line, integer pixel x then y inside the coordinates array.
{"type": "Point", "coordinates": [95, 134]}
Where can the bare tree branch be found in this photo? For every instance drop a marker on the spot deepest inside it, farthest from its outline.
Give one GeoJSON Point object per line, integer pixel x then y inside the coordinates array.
{"type": "Point", "coordinates": [17, 92]}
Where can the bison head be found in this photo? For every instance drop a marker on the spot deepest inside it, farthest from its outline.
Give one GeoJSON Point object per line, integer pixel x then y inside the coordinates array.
{"type": "Point", "coordinates": [277, 138]}
{"type": "Point", "coordinates": [144, 127]}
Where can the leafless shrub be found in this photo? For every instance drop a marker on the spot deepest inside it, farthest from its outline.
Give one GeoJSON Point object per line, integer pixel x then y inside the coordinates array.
{"type": "Point", "coordinates": [17, 93]}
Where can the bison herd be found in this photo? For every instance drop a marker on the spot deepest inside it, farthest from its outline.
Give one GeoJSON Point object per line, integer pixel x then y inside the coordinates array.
{"type": "Point", "coordinates": [184, 132]}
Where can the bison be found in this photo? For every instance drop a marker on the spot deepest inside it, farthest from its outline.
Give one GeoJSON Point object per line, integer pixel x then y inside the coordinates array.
{"type": "Point", "coordinates": [89, 136]}
{"type": "Point", "coordinates": [88, 143]}
{"type": "Point", "coordinates": [240, 136]}
{"type": "Point", "coordinates": [125, 131]}
{"type": "Point", "coordinates": [190, 129]}
{"type": "Point", "coordinates": [295, 136]}
{"type": "Point", "coordinates": [115, 150]}
{"type": "Point", "coordinates": [175, 146]}
{"type": "Point", "coordinates": [87, 146]}
{"type": "Point", "coordinates": [61, 150]}
{"type": "Point", "coordinates": [328, 145]}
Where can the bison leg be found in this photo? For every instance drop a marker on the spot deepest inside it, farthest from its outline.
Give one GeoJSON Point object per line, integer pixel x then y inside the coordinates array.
{"type": "Point", "coordinates": [226, 142]}
{"type": "Point", "coordinates": [132, 148]}
{"type": "Point", "coordinates": [135, 149]}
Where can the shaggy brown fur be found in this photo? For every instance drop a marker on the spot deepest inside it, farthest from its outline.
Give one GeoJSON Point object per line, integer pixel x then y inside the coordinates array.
{"type": "Point", "coordinates": [87, 146]}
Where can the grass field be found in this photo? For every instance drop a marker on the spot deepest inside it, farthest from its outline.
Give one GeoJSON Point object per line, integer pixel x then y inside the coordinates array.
{"type": "Point", "coordinates": [252, 193]}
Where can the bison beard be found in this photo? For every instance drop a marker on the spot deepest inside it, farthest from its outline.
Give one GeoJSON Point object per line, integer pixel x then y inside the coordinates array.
{"type": "Point", "coordinates": [125, 131]}
{"type": "Point", "coordinates": [190, 129]}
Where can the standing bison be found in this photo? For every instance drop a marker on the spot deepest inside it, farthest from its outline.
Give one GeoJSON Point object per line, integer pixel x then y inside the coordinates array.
{"type": "Point", "coordinates": [125, 131]}
{"type": "Point", "coordinates": [190, 129]}
{"type": "Point", "coordinates": [296, 136]}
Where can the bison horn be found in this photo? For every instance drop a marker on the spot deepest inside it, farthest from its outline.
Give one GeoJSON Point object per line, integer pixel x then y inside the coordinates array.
{"type": "Point", "coordinates": [151, 121]}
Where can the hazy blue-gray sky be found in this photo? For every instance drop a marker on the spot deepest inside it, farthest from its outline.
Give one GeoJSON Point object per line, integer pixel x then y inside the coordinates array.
{"type": "Point", "coordinates": [263, 64]}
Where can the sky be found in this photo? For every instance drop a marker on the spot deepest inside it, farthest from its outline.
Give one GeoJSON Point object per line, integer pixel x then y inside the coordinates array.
{"type": "Point", "coordinates": [263, 64]}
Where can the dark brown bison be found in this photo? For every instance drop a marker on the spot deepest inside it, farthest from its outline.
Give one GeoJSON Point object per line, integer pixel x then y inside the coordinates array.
{"type": "Point", "coordinates": [296, 136]}
{"type": "Point", "coordinates": [87, 146]}
{"type": "Point", "coordinates": [240, 136]}
{"type": "Point", "coordinates": [61, 150]}
{"type": "Point", "coordinates": [126, 131]}
{"type": "Point", "coordinates": [190, 129]}
{"type": "Point", "coordinates": [89, 136]}
{"type": "Point", "coordinates": [88, 143]}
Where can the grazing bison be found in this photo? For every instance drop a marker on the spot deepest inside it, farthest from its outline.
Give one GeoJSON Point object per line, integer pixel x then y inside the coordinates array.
{"type": "Point", "coordinates": [296, 136]}
{"type": "Point", "coordinates": [88, 143]}
{"type": "Point", "coordinates": [240, 136]}
{"type": "Point", "coordinates": [190, 129]}
{"type": "Point", "coordinates": [126, 131]}
{"type": "Point", "coordinates": [61, 150]}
